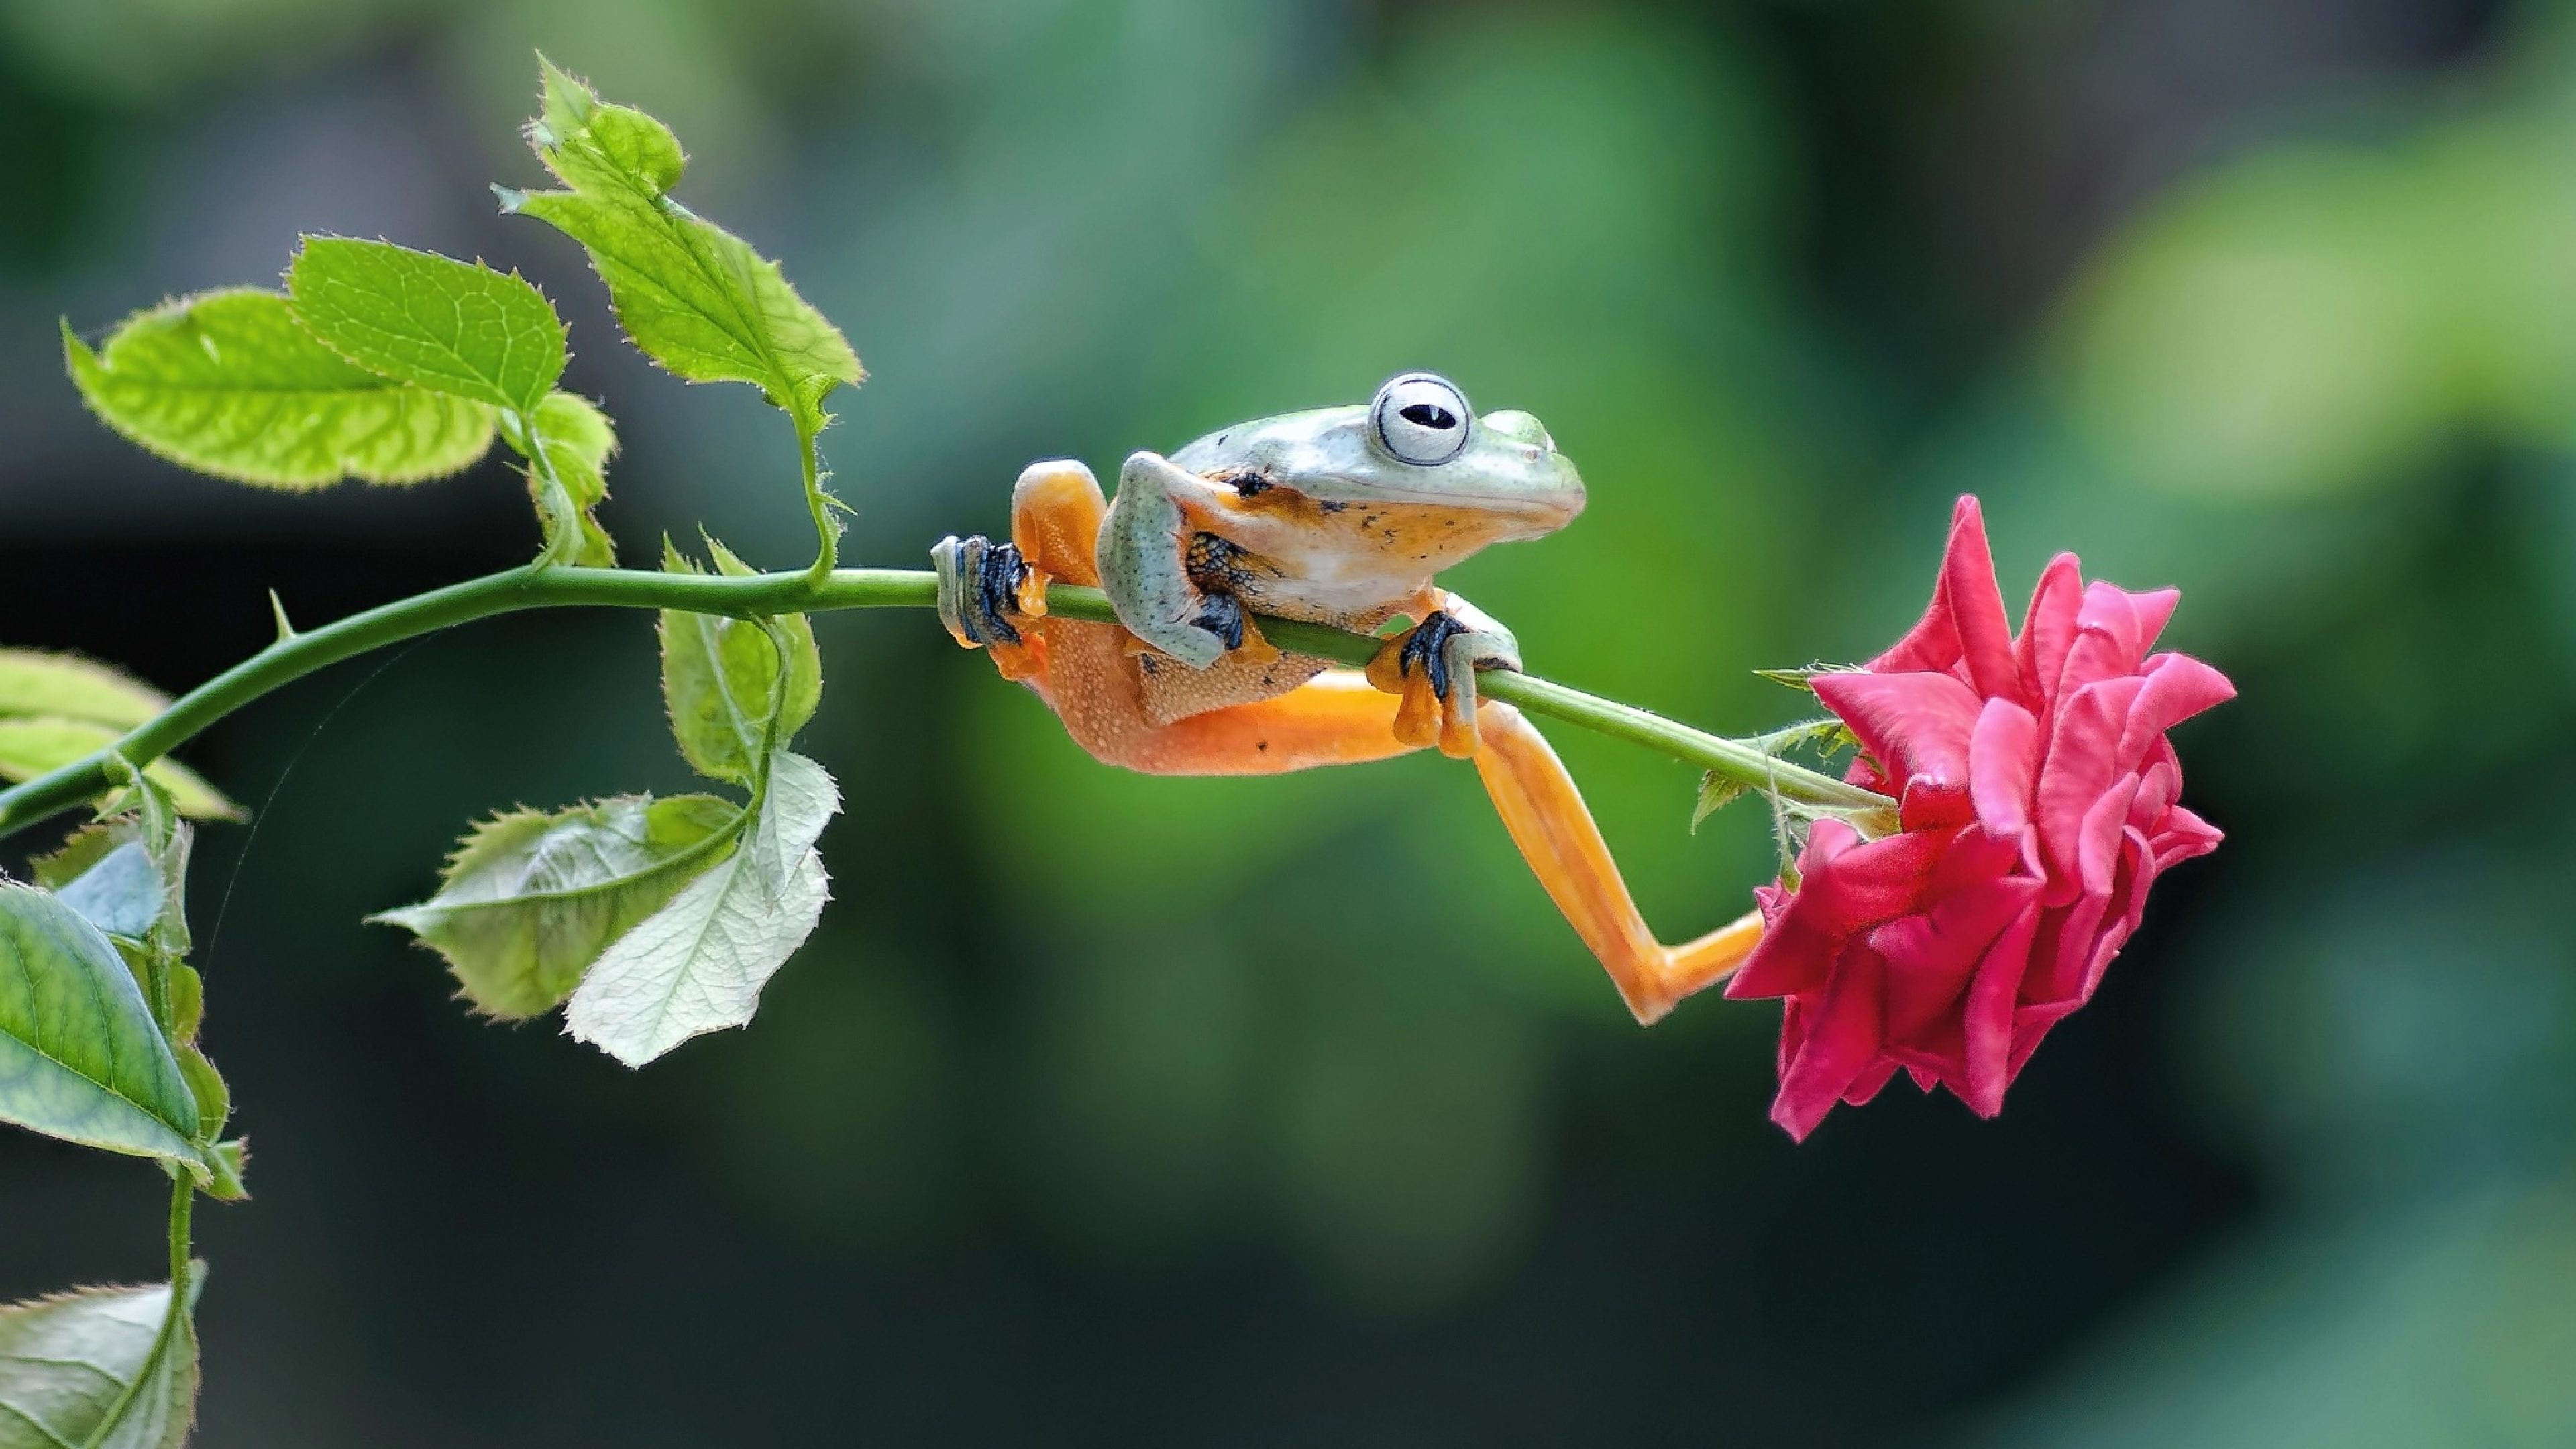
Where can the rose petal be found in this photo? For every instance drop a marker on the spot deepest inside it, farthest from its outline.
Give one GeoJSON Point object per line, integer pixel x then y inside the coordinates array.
{"type": "Point", "coordinates": [2082, 763]}
{"type": "Point", "coordinates": [2064, 951]}
{"type": "Point", "coordinates": [1972, 860]}
{"type": "Point", "coordinates": [2158, 784]}
{"type": "Point", "coordinates": [1987, 1025]}
{"type": "Point", "coordinates": [2154, 609]}
{"type": "Point", "coordinates": [2182, 835]}
{"type": "Point", "coordinates": [1843, 887]}
{"type": "Point", "coordinates": [2124, 624]}
{"type": "Point", "coordinates": [1841, 1034]}
{"type": "Point", "coordinates": [1866, 1085]}
{"type": "Point", "coordinates": [2177, 687]}
{"type": "Point", "coordinates": [2121, 912]}
{"type": "Point", "coordinates": [2048, 630]}
{"type": "Point", "coordinates": [2098, 846]}
{"type": "Point", "coordinates": [1916, 725]}
{"type": "Point", "coordinates": [2003, 767]}
{"type": "Point", "coordinates": [1931, 955]}
{"type": "Point", "coordinates": [1977, 604]}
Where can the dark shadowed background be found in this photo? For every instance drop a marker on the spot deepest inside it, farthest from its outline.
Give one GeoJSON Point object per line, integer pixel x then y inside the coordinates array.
{"type": "Point", "coordinates": [1284, 1112]}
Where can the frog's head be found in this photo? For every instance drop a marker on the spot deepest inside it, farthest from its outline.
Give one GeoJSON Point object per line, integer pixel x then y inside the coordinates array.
{"type": "Point", "coordinates": [1417, 441]}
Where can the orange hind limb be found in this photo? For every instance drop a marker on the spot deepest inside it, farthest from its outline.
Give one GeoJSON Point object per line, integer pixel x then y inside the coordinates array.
{"type": "Point", "coordinates": [1548, 820]}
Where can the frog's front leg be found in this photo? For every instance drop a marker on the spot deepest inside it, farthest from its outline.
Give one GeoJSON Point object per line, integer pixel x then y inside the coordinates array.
{"type": "Point", "coordinates": [1150, 558]}
{"type": "Point", "coordinates": [1433, 665]}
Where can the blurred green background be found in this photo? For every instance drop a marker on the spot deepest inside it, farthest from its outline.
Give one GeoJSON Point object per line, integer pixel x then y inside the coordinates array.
{"type": "Point", "coordinates": [1106, 1109]}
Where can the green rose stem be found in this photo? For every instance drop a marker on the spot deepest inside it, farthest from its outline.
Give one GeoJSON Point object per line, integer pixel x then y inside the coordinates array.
{"type": "Point", "coordinates": [760, 595]}
{"type": "Point", "coordinates": [165, 1339]}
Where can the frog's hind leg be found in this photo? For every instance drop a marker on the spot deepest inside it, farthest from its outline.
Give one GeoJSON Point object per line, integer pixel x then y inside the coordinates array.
{"type": "Point", "coordinates": [1552, 826]}
{"type": "Point", "coordinates": [988, 592]}
{"type": "Point", "coordinates": [1335, 718]}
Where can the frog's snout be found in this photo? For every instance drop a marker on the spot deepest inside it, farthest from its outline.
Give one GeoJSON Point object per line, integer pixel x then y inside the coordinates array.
{"type": "Point", "coordinates": [1520, 427]}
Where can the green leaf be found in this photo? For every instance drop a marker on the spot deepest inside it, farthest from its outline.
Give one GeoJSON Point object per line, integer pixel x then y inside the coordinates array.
{"type": "Point", "coordinates": [227, 383]}
{"type": "Point", "coordinates": [1826, 735]}
{"type": "Point", "coordinates": [231, 1164]}
{"type": "Point", "coordinates": [1715, 793]}
{"type": "Point", "coordinates": [1803, 679]}
{"type": "Point", "coordinates": [568, 456]}
{"type": "Point", "coordinates": [74, 688]}
{"type": "Point", "coordinates": [95, 1369]}
{"type": "Point", "coordinates": [214, 1098]}
{"type": "Point", "coordinates": [187, 1002]}
{"type": "Point", "coordinates": [529, 900]}
{"type": "Point", "coordinates": [452, 327]}
{"type": "Point", "coordinates": [698, 964]}
{"type": "Point", "coordinates": [30, 747]}
{"type": "Point", "coordinates": [720, 678]}
{"type": "Point", "coordinates": [81, 1057]}
{"type": "Point", "coordinates": [693, 296]}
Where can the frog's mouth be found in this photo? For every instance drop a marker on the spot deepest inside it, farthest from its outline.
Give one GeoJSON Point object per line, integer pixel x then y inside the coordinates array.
{"type": "Point", "coordinates": [1541, 512]}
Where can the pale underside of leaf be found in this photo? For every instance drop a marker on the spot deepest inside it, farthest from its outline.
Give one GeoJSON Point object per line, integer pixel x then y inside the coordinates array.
{"type": "Point", "coordinates": [227, 383]}
{"type": "Point", "coordinates": [71, 1362]}
{"type": "Point", "coordinates": [95, 872]}
{"type": "Point", "coordinates": [69, 687]}
{"type": "Point", "coordinates": [121, 895]}
{"type": "Point", "coordinates": [30, 747]}
{"type": "Point", "coordinates": [698, 965]}
{"type": "Point", "coordinates": [81, 1057]}
{"type": "Point", "coordinates": [438, 323]}
{"type": "Point", "coordinates": [530, 900]}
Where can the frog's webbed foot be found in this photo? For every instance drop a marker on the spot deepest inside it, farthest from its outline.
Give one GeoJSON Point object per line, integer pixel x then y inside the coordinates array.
{"type": "Point", "coordinates": [979, 587]}
{"type": "Point", "coordinates": [1433, 666]}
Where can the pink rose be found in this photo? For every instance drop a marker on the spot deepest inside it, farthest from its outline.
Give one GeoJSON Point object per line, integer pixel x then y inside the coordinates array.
{"type": "Point", "coordinates": [2038, 797]}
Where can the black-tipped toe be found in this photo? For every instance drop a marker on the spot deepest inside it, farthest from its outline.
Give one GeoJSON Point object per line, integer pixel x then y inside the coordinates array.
{"type": "Point", "coordinates": [1427, 646]}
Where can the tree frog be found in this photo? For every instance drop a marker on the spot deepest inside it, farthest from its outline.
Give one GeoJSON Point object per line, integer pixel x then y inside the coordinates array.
{"type": "Point", "coordinates": [1341, 516]}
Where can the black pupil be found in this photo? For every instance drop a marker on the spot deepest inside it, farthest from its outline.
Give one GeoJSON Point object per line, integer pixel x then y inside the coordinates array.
{"type": "Point", "coordinates": [1429, 415]}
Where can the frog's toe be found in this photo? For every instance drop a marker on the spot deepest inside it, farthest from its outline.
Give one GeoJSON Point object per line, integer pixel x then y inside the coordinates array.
{"type": "Point", "coordinates": [1433, 666]}
{"type": "Point", "coordinates": [980, 589]}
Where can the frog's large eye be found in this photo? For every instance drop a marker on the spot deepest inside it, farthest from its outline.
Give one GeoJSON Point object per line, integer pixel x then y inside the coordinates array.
{"type": "Point", "coordinates": [1421, 418]}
